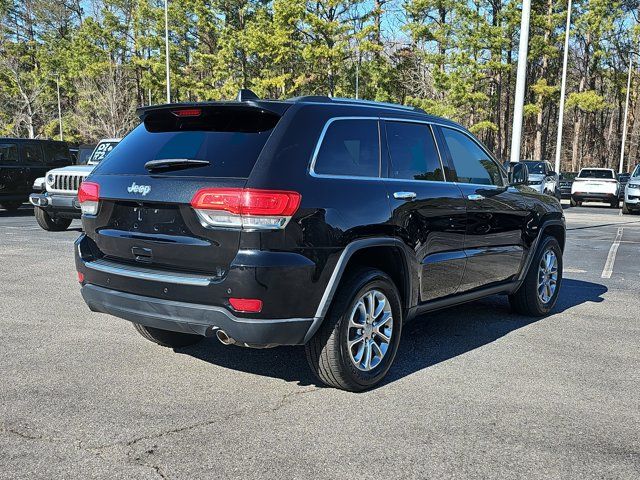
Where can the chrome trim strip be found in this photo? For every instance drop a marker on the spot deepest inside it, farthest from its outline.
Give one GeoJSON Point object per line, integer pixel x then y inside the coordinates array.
{"type": "Point", "coordinates": [105, 266]}
{"type": "Point", "coordinates": [430, 123]}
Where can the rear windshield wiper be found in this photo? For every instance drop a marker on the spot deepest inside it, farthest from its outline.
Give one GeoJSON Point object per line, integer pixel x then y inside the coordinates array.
{"type": "Point", "coordinates": [174, 163]}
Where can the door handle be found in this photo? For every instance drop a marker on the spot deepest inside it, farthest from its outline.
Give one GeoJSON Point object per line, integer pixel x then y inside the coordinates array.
{"type": "Point", "coordinates": [404, 195]}
{"type": "Point", "coordinates": [475, 197]}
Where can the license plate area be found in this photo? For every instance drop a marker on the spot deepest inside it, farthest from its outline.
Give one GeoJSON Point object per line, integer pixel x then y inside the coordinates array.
{"type": "Point", "coordinates": [148, 218]}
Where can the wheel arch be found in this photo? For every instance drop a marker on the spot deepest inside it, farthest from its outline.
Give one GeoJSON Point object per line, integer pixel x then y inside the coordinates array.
{"type": "Point", "coordinates": [386, 254]}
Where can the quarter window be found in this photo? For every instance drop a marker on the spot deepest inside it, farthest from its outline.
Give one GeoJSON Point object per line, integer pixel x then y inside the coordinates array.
{"type": "Point", "coordinates": [412, 151]}
{"type": "Point", "coordinates": [8, 153]}
{"type": "Point", "coordinates": [351, 148]}
{"type": "Point", "coordinates": [472, 163]}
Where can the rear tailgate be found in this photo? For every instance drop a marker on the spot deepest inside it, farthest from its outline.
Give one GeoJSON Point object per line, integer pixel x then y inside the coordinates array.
{"type": "Point", "coordinates": [145, 217]}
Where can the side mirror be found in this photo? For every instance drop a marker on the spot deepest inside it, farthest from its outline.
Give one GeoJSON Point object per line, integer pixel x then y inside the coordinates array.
{"type": "Point", "coordinates": [519, 175]}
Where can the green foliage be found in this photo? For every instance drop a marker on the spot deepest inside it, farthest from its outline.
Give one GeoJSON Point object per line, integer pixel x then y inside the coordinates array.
{"type": "Point", "coordinates": [588, 101]}
{"type": "Point", "coordinates": [453, 59]}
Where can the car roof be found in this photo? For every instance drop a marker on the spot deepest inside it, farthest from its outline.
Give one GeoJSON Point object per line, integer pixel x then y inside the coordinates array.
{"type": "Point", "coordinates": [247, 99]}
{"type": "Point", "coordinates": [30, 140]}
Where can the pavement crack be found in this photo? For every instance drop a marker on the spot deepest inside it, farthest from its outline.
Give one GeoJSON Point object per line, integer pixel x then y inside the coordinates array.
{"type": "Point", "coordinates": [288, 398]}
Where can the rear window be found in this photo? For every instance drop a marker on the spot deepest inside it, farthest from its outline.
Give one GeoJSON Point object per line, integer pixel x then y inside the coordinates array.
{"type": "Point", "coordinates": [230, 138]}
{"type": "Point", "coordinates": [589, 173]}
{"type": "Point", "coordinates": [56, 152]}
{"type": "Point", "coordinates": [32, 153]}
{"type": "Point", "coordinates": [8, 153]}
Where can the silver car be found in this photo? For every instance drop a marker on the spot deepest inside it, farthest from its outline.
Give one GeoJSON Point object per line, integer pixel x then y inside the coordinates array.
{"type": "Point", "coordinates": [632, 193]}
{"type": "Point", "coordinates": [542, 178]}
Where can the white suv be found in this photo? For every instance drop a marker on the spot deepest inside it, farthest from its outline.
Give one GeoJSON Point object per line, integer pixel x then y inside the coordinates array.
{"type": "Point", "coordinates": [632, 193]}
{"type": "Point", "coordinates": [595, 185]}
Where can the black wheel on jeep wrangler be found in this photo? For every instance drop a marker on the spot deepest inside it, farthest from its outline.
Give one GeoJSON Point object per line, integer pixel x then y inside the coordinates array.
{"type": "Point", "coordinates": [11, 206]}
{"type": "Point", "coordinates": [49, 223]}
{"type": "Point", "coordinates": [167, 338]}
{"type": "Point", "coordinates": [575, 203]}
{"type": "Point", "coordinates": [539, 292]}
{"type": "Point", "coordinates": [358, 340]}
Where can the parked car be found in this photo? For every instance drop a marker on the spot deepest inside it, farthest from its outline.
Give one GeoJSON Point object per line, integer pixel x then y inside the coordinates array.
{"type": "Point", "coordinates": [632, 193]}
{"type": "Point", "coordinates": [595, 185]}
{"type": "Point", "coordinates": [543, 178]}
{"type": "Point", "coordinates": [315, 221]}
{"type": "Point", "coordinates": [566, 181]}
{"type": "Point", "coordinates": [623, 179]}
{"type": "Point", "coordinates": [24, 160]}
{"type": "Point", "coordinates": [56, 205]}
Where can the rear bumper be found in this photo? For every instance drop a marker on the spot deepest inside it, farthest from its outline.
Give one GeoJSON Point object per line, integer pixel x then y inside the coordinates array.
{"type": "Point", "coordinates": [196, 319]}
{"type": "Point", "coordinates": [194, 302]}
{"type": "Point", "coordinates": [593, 196]}
{"type": "Point", "coordinates": [66, 206]}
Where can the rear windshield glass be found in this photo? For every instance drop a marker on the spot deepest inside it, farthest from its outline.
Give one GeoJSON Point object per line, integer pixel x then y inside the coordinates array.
{"type": "Point", "coordinates": [231, 139]}
{"type": "Point", "coordinates": [588, 173]}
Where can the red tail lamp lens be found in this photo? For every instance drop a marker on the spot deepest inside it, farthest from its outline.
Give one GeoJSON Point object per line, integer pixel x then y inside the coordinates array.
{"type": "Point", "coordinates": [247, 201]}
{"type": "Point", "coordinates": [88, 192]}
{"type": "Point", "coordinates": [247, 305]}
{"type": "Point", "coordinates": [80, 277]}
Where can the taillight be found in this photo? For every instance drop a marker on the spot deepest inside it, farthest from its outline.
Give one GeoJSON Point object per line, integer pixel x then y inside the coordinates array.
{"type": "Point", "coordinates": [247, 305]}
{"type": "Point", "coordinates": [89, 197]}
{"type": "Point", "coordinates": [245, 208]}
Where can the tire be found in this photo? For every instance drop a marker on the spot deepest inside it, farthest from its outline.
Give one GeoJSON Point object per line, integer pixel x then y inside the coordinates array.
{"type": "Point", "coordinates": [328, 353]}
{"type": "Point", "coordinates": [167, 338]}
{"type": "Point", "coordinates": [11, 206]}
{"type": "Point", "coordinates": [526, 300]}
{"type": "Point", "coordinates": [49, 223]}
{"type": "Point", "coordinates": [575, 203]}
{"type": "Point", "coordinates": [615, 204]}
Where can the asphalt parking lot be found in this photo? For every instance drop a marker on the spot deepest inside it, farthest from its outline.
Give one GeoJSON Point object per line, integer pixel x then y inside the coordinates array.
{"type": "Point", "coordinates": [475, 392]}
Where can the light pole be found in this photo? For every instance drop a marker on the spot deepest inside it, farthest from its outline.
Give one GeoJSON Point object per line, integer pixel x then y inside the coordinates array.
{"type": "Point", "coordinates": [521, 81]}
{"type": "Point", "coordinates": [59, 106]}
{"type": "Point", "coordinates": [166, 47]}
{"type": "Point", "coordinates": [626, 114]}
{"type": "Point", "coordinates": [563, 88]}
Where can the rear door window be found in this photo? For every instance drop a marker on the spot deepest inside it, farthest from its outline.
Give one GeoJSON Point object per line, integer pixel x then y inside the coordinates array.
{"type": "Point", "coordinates": [412, 152]}
{"type": "Point", "coordinates": [350, 147]}
{"type": "Point", "coordinates": [231, 139]}
{"type": "Point", "coordinates": [32, 154]}
{"type": "Point", "coordinates": [8, 153]}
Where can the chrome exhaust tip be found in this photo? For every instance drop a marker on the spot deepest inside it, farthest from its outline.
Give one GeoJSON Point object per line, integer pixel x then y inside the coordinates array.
{"type": "Point", "coordinates": [224, 338]}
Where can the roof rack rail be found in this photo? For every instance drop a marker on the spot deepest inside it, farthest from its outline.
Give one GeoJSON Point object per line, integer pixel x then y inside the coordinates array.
{"type": "Point", "coordinates": [354, 101]}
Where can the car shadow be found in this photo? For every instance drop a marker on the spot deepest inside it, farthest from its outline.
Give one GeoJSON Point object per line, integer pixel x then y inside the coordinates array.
{"type": "Point", "coordinates": [23, 211]}
{"type": "Point", "coordinates": [426, 341]}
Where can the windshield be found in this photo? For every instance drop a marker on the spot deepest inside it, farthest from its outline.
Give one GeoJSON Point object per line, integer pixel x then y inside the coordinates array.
{"type": "Point", "coordinates": [101, 151]}
{"type": "Point", "coordinates": [593, 173]}
{"type": "Point", "coordinates": [536, 168]}
{"type": "Point", "coordinates": [636, 172]}
{"type": "Point", "coordinates": [568, 175]}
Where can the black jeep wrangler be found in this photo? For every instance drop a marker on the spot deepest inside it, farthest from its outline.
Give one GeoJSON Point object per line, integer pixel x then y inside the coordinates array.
{"type": "Point", "coordinates": [312, 221]}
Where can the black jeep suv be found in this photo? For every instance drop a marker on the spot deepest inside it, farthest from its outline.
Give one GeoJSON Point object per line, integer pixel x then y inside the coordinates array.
{"type": "Point", "coordinates": [312, 221]}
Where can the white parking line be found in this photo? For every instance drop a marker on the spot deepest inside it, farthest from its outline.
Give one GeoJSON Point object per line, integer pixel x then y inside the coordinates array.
{"type": "Point", "coordinates": [613, 251]}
